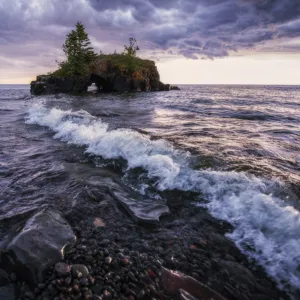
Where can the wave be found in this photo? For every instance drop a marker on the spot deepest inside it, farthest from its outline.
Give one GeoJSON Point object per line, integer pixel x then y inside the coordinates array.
{"type": "Point", "coordinates": [265, 227]}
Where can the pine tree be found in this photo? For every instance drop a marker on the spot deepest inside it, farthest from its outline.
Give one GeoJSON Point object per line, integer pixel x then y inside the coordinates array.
{"type": "Point", "coordinates": [78, 51]}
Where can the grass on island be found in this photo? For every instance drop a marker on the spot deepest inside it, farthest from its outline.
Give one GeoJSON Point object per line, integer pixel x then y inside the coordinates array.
{"type": "Point", "coordinates": [123, 62]}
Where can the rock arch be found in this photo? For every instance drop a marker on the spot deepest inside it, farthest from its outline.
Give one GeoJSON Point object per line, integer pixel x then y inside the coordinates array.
{"type": "Point", "coordinates": [102, 84]}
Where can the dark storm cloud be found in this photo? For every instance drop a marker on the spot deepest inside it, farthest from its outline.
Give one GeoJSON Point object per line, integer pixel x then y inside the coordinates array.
{"type": "Point", "coordinates": [192, 28]}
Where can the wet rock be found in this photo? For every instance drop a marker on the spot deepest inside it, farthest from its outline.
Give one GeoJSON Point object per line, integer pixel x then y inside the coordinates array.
{"type": "Point", "coordinates": [82, 269]}
{"type": "Point", "coordinates": [238, 272]}
{"type": "Point", "coordinates": [141, 294]}
{"type": "Point", "coordinates": [104, 242]}
{"type": "Point", "coordinates": [68, 280]}
{"type": "Point", "coordinates": [62, 269]}
{"type": "Point", "coordinates": [163, 87]}
{"type": "Point", "coordinates": [132, 277]}
{"type": "Point", "coordinates": [49, 84]}
{"type": "Point", "coordinates": [9, 292]}
{"type": "Point", "coordinates": [4, 278]}
{"type": "Point", "coordinates": [13, 277]}
{"type": "Point", "coordinates": [174, 87]}
{"type": "Point", "coordinates": [107, 295]}
{"type": "Point", "coordinates": [108, 260]}
{"type": "Point", "coordinates": [39, 245]}
{"type": "Point", "coordinates": [84, 281]}
{"type": "Point", "coordinates": [151, 273]}
{"type": "Point", "coordinates": [173, 282]}
{"type": "Point", "coordinates": [41, 286]}
{"type": "Point", "coordinates": [184, 295]}
{"type": "Point", "coordinates": [29, 295]}
{"type": "Point", "coordinates": [141, 210]}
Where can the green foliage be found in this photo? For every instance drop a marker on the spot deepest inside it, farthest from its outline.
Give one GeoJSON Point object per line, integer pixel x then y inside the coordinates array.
{"type": "Point", "coordinates": [130, 54]}
{"type": "Point", "coordinates": [78, 51]}
{"type": "Point", "coordinates": [132, 48]}
{"type": "Point", "coordinates": [129, 64]}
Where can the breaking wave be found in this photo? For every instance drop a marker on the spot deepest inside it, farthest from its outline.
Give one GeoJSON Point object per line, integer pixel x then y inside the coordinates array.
{"type": "Point", "coordinates": [265, 227]}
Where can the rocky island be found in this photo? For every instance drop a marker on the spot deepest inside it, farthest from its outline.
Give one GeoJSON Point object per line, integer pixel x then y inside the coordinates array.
{"type": "Point", "coordinates": [118, 72]}
{"type": "Point", "coordinates": [110, 73]}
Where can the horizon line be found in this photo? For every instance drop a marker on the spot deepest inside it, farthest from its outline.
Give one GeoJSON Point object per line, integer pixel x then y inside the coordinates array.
{"type": "Point", "coordinates": [238, 84]}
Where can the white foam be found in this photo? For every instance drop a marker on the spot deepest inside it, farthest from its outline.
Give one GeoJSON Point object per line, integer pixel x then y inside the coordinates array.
{"type": "Point", "coordinates": [262, 221]}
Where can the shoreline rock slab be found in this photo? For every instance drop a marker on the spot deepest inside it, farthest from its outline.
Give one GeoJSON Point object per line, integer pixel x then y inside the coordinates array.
{"type": "Point", "coordinates": [39, 245]}
{"type": "Point", "coordinates": [177, 282]}
{"type": "Point", "coordinates": [142, 211]}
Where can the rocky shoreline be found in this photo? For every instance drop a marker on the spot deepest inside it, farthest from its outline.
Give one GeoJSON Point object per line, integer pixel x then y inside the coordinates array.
{"type": "Point", "coordinates": [115, 258]}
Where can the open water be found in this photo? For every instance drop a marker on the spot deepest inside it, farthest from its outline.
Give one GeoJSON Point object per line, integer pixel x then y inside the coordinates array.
{"type": "Point", "coordinates": [238, 147]}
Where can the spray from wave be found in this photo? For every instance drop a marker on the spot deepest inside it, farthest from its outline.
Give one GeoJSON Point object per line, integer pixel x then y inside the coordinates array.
{"type": "Point", "coordinates": [265, 227]}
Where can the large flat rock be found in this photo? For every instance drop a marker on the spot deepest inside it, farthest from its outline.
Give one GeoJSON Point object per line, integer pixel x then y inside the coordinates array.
{"type": "Point", "coordinates": [39, 244]}
{"type": "Point", "coordinates": [177, 283]}
{"type": "Point", "coordinates": [144, 211]}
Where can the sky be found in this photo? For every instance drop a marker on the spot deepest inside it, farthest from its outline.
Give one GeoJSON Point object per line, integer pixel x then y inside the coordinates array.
{"type": "Point", "coordinates": [191, 41]}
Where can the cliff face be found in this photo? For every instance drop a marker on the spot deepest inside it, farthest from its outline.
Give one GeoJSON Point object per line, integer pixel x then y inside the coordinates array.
{"type": "Point", "coordinates": [110, 73]}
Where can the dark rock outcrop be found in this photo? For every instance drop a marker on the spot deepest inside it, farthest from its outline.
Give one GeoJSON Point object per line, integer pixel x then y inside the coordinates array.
{"type": "Point", "coordinates": [117, 76]}
{"type": "Point", "coordinates": [39, 244]}
{"type": "Point", "coordinates": [110, 73]}
{"type": "Point", "coordinates": [8, 289]}
{"type": "Point", "coordinates": [9, 292]}
{"type": "Point", "coordinates": [51, 84]}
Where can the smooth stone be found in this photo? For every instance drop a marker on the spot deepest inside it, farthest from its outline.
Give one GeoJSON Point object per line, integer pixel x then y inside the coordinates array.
{"type": "Point", "coordinates": [143, 211]}
{"type": "Point", "coordinates": [62, 269]}
{"type": "Point", "coordinates": [108, 260]}
{"type": "Point", "coordinates": [104, 242]}
{"type": "Point", "coordinates": [40, 244]}
{"type": "Point", "coordinates": [84, 281]}
{"type": "Point", "coordinates": [80, 269]}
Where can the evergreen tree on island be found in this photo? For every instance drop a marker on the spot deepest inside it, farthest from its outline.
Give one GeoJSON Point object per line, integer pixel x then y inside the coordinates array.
{"type": "Point", "coordinates": [78, 51]}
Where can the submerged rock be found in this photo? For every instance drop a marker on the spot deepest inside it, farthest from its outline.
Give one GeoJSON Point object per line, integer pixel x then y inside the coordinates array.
{"type": "Point", "coordinates": [176, 283]}
{"type": "Point", "coordinates": [141, 210]}
{"type": "Point", "coordinates": [38, 246]}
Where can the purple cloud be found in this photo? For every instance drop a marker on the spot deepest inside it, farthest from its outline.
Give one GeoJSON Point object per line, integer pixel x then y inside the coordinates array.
{"type": "Point", "coordinates": [192, 28]}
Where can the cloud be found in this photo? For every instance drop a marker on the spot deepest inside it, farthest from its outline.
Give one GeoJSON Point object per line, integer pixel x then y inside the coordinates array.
{"type": "Point", "coordinates": [35, 29]}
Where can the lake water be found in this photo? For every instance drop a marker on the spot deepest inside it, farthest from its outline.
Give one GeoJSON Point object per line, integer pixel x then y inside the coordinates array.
{"type": "Point", "coordinates": [238, 147]}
